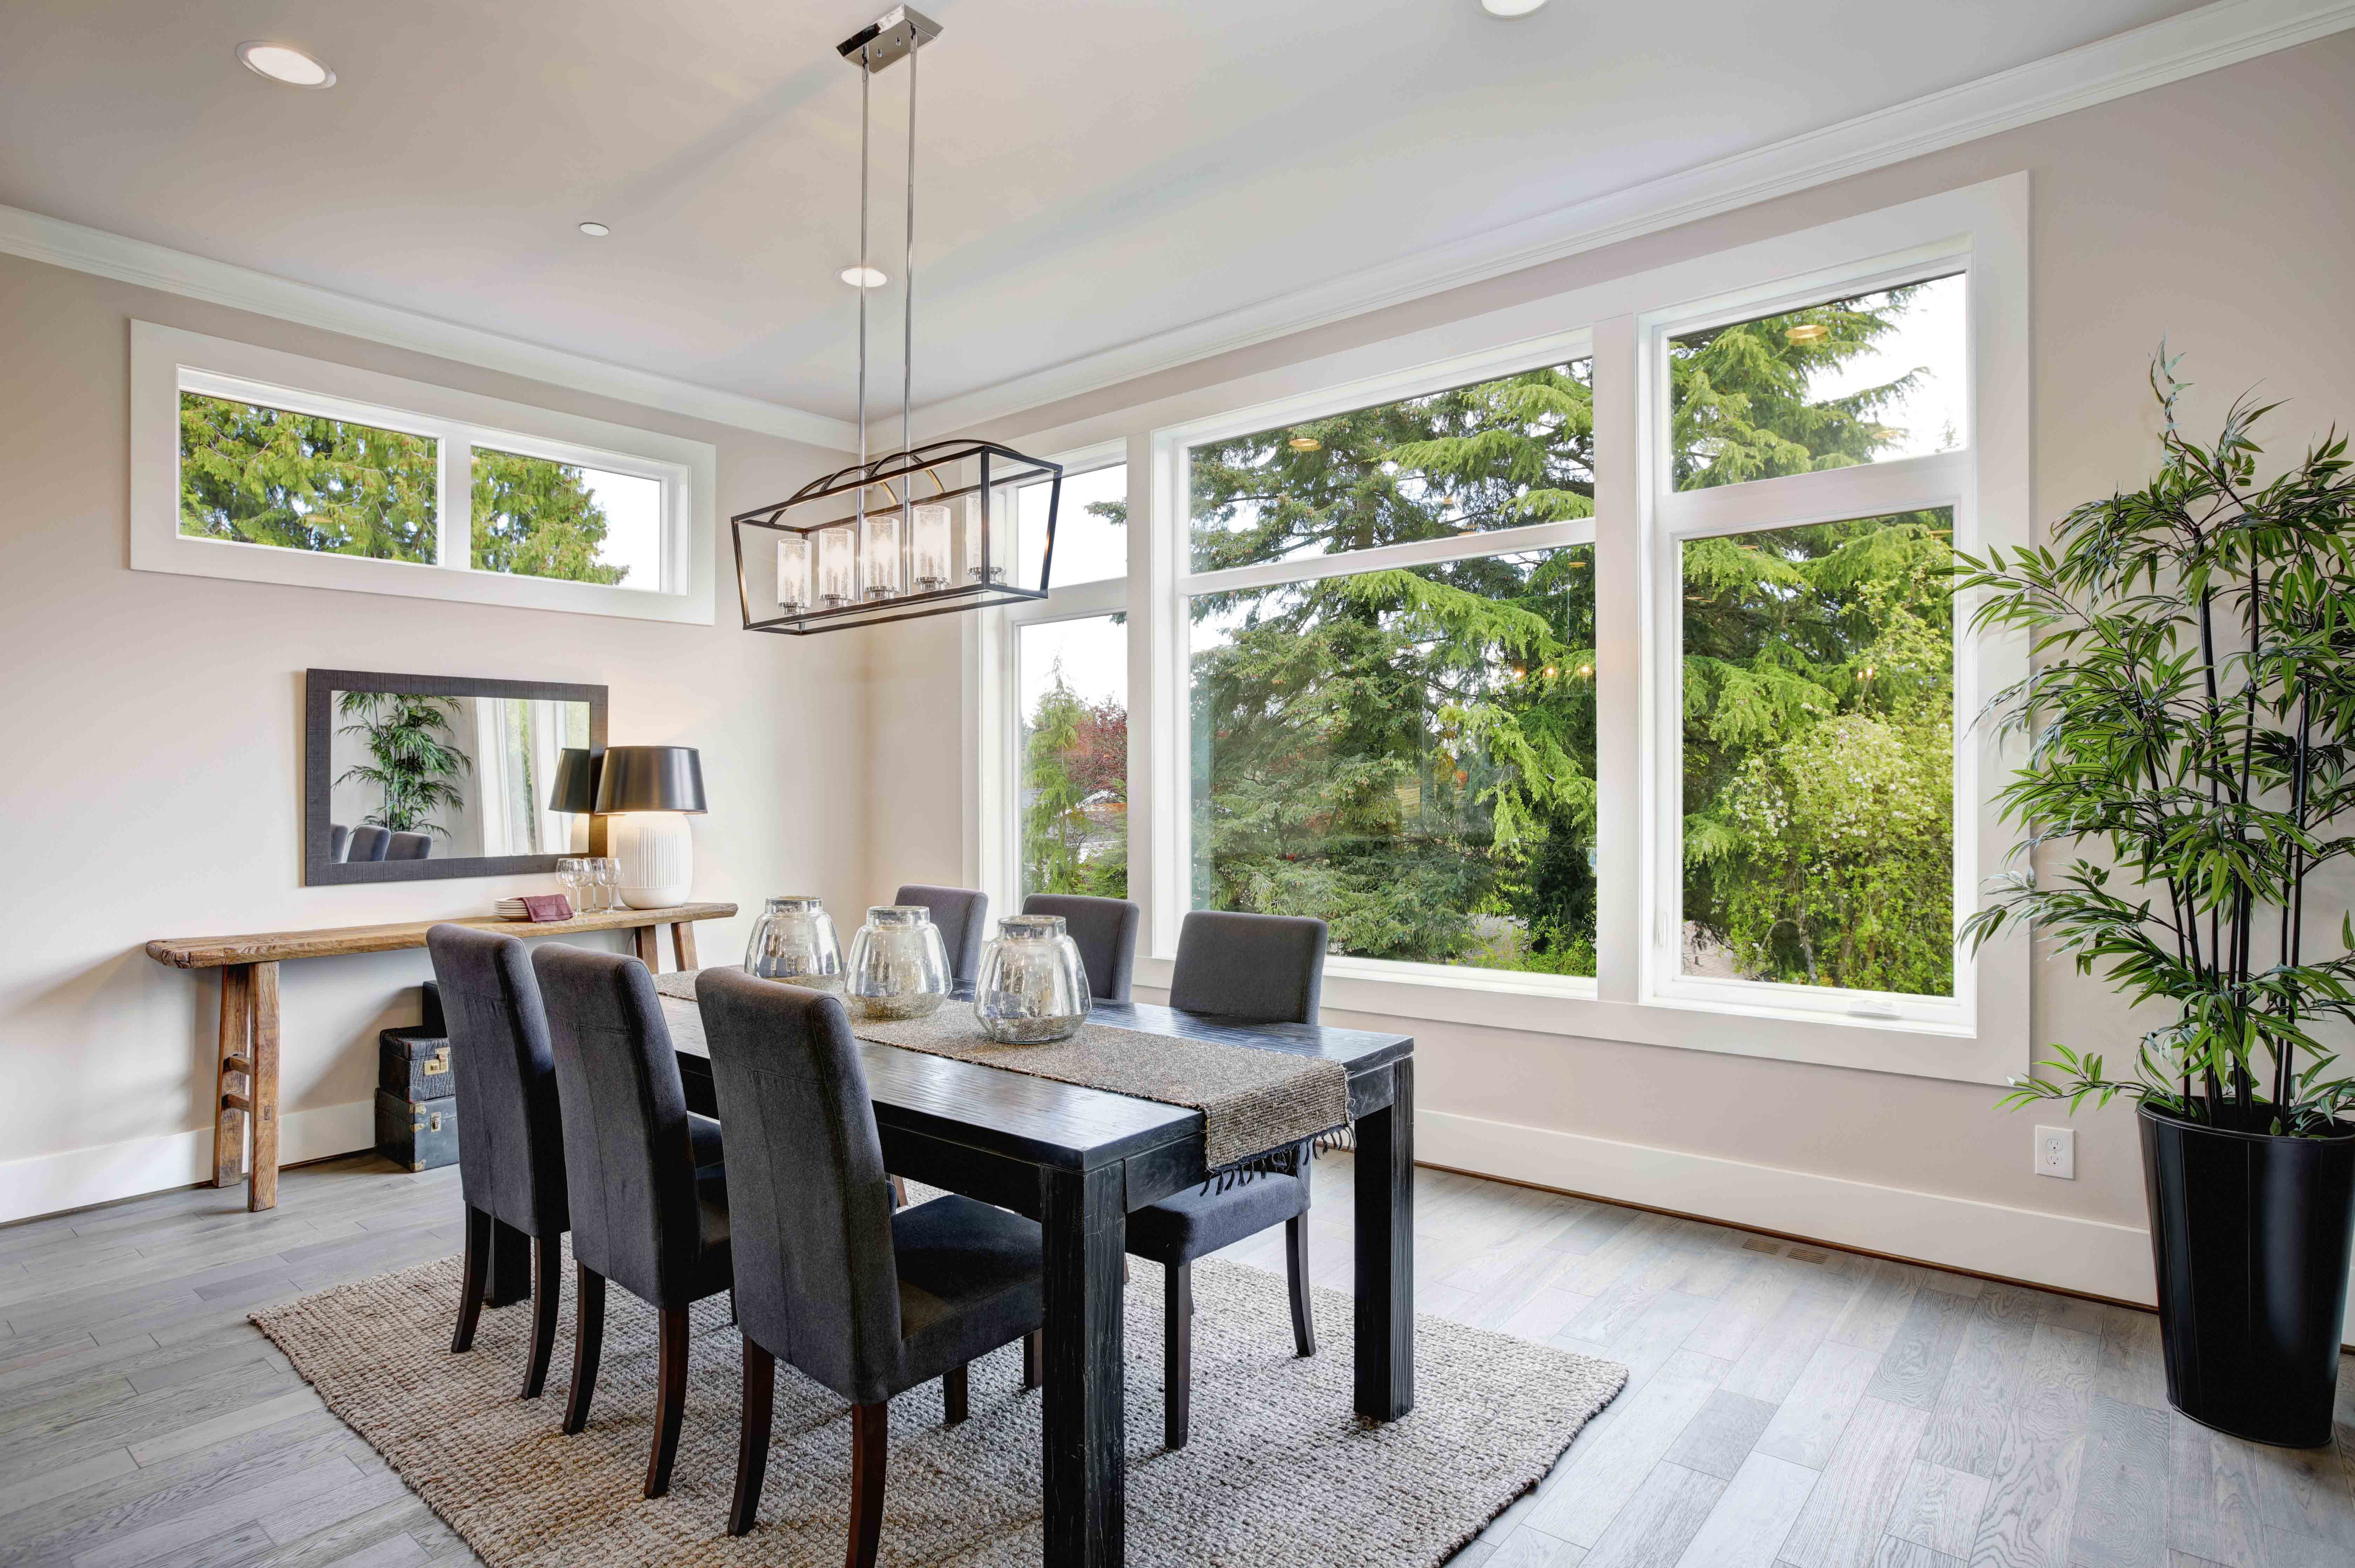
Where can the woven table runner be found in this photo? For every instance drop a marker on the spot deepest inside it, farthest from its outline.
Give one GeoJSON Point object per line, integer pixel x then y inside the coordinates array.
{"type": "Point", "coordinates": [1254, 1102]}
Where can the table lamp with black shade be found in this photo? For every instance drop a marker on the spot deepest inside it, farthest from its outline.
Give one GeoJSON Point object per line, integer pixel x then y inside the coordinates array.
{"type": "Point", "coordinates": [648, 791]}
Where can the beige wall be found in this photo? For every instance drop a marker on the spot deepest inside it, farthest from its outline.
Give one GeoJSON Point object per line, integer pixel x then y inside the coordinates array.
{"type": "Point", "coordinates": [2219, 212]}
{"type": "Point", "coordinates": [153, 786]}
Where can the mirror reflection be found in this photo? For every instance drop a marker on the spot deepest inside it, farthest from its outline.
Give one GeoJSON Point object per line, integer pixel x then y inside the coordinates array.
{"type": "Point", "coordinates": [416, 777]}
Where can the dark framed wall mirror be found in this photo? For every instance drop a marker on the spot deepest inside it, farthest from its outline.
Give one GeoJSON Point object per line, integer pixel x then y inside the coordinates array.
{"type": "Point", "coordinates": [408, 777]}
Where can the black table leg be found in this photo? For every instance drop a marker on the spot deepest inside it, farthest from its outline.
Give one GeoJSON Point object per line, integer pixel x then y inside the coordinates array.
{"type": "Point", "coordinates": [510, 1266]}
{"type": "Point", "coordinates": [1386, 1252]}
{"type": "Point", "coordinates": [1085, 1220]}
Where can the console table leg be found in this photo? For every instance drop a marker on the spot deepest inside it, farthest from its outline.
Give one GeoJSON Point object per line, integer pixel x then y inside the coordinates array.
{"type": "Point", "coordinates": [648, 941]}
{"type": "Point", "coordinates": [264, 1191]}
{"type": "Point", "coordinates": [236, 1057]}
{"type": "Point", "coordinates": [682, 942]}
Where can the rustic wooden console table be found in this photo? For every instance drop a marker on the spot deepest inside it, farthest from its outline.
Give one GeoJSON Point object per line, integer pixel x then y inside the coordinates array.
{"type": "Point", "coordinates": [249, 1008]}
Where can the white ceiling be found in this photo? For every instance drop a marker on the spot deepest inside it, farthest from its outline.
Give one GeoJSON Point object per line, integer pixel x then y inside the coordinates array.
{"type": "Point", "coordinates": [1091, 172]}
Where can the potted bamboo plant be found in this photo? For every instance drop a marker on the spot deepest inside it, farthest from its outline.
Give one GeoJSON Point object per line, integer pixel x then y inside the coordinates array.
{"type": "Point", "coordinates": [2191, 716]}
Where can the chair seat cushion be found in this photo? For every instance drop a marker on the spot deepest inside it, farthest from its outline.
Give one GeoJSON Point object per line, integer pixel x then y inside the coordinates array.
{"type": "Point", "coordinates": [1196, 1222]}
{"type": "Point", "coordinates": [969, 1281]}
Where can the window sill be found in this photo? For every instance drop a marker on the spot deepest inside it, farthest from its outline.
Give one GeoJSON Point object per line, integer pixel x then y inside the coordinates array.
{"type": "Point", "coordinates": [189, 555]}
{"type": "Point", "coordinates": [1571, 1008]}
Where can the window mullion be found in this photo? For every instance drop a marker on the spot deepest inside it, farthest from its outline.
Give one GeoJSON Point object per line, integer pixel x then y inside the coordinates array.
{"type": "Point", "coordinates": [1416, 552]}
{"type": "Point", "coordinates": [453, 502]}
{"type": "Point", "coordinates": [1619, 659]}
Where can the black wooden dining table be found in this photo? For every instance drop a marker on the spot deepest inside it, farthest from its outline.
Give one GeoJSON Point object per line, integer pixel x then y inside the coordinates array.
{"type": "Point", "coordinates": [1080, 1161]}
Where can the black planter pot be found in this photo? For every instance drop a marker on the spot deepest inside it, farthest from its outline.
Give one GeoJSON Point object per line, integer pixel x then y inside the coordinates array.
{"type": "Point", "coordinates": [2250, 1234]}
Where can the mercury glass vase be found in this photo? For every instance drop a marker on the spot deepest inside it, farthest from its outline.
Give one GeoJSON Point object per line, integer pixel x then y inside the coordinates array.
{"type": "Point", "coordinates": [794, 940]}
{"type": "Point", "coordinates": [898, 966]}
{"type": "Point", "coordinates": [1034, 985]}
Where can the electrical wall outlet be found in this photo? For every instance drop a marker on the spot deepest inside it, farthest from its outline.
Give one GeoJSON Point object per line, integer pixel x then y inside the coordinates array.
{"type": "Point", "coordinates": [2056, 1152]}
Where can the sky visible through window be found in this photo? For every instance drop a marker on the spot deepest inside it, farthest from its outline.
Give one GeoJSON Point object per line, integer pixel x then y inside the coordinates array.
{"type": "Point", "coordinates": [1089, 548]}
{"type": "Point", "coordinates": [632, 509]}
{"type": "Point", "coordinates": [1927, 335]}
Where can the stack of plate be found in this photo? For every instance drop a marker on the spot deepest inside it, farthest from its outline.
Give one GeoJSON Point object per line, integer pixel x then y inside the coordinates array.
{"type": "Point", "coordinates": [510, 908]}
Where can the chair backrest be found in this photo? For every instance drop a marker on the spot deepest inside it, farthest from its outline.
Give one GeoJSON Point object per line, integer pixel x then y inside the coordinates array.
{"type": "Point", "coordinates": [960, 914]}
{"type": "Point", "coordinates": [510, 1131]}
{"type": "Point", "coordinates": [629, 1166]}
{"type": "Point", "coordinates": [809, 1203]}
{"type": "Point", "coordinates": [1105, 930]}
{"type": "Point", "coordinates": [368, 843]}
{"type": "Point", "coordinates": [1264, 967]}
{"type": "Point", "coordinates": [340, 839]}
{"type": "Point", "coordinates": [409, 846]}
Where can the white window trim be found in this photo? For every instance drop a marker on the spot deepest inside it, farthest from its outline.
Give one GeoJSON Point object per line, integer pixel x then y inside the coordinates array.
{"type": "Point", "coordinates": [165, 360]}
{"type": "Point", "coordinates": [1460, 987]}
{"type": "Point", "coordinates": [994, 858]}
{"type": "Point", "coordinates": [1992, 218]}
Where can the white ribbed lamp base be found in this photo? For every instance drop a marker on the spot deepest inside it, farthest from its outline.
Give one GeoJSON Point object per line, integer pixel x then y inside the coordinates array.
{"type": "Point", "coordinates": [655, 850]}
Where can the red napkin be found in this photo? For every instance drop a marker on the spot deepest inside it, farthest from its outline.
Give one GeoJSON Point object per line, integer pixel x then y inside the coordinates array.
{"type": "Point", "coordinates": [539, 908]}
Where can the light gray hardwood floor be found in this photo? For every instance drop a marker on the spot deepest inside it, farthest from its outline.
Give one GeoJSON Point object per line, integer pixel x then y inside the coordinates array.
{"type": "Point", "coordinates": [1786, 1405]}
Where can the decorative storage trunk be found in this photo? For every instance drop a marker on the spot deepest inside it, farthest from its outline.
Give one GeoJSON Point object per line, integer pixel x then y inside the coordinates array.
{"type": "Point", "coordinates": [416, 1112]}
{"type": "Point", "coordinates": [419, 1135]}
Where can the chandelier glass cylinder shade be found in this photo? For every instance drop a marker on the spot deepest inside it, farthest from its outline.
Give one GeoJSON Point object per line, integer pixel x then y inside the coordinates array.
{"type": "Point", "coordinates": [924, 530]}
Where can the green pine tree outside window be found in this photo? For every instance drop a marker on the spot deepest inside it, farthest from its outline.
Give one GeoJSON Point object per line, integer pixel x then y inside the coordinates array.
{"type": "Point", "coordinates": [256, 475]}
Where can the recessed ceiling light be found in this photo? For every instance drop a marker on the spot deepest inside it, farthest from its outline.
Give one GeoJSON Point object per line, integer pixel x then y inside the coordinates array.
{"type": "Point", "coordinates": [863, 277]}
{"type": "Point", "coordinates": [595, 230]}
{"type": "Point", "coordinates": [1809, 332]}
{"type": "Point", "coordinates": [1304, 444]}
{"type": "Point", "coordinates": [1510, 7]}
{"type": "Point", "coordinates": [284, 62]}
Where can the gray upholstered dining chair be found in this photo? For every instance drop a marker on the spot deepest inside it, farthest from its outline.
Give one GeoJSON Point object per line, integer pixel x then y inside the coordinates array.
{"type": "Point", "coordinates": [1268, 968]}
{"type": "Point", "coordinates": [960, 914]}
{"type": "Point", "coordinates": [510, 1133]}
{"type": "Point", "coordinates": [1105, 930]}
{"type": "Point", "coordinates": [410, 847]}
{"type": "Point", "coordinates": [339, 839]}
{"type": "Point", "coordinates": [643, 1174]}
{"type": "Point", "coordinates": [828, 1277]}
{"type": "Point", "coordinates": [368, 842]}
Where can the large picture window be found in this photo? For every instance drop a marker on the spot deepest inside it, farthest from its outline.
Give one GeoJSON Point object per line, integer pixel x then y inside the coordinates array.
{"type": "Point", "coordinates": [1814, 467]}
{"type": "Point", "coordinates": [1591, 666]}
{"type": "Point", "coordinates": [1390, 666]}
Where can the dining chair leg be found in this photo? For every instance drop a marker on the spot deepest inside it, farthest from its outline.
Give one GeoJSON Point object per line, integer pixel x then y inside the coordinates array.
{"type": "Point", "coordinates": [1030, 1360]}
{"type": "Point", "coordinates": [588, 1340]}
{"type": "Point", "coordinates": [1296, 1265]}
{"type": "Point", "coordinates": [871, 1442]}
{"type": "Point", "coordinates": [547, 1290]}
{"type": "Point", "coordinates": [752, 1442]}
{"type": "Point", "coordinates": [1178, 1353]}
{"type": "Point", "coordinates": [477, 1279]}
{"type": "Point", "coordinates": [954, 1390]}
{"type": "Point", "coordinates": [670, 1397]}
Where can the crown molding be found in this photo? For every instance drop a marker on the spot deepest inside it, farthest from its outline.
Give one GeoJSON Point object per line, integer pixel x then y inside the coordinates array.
{"type": "Point", "coordinates": [2206, 39]}
{"type": "Point", "coordinates": [108, 255]}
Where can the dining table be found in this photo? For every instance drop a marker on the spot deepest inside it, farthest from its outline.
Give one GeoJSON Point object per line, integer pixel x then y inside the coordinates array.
{"type": "Point", "coordinates": [1080, 1161]}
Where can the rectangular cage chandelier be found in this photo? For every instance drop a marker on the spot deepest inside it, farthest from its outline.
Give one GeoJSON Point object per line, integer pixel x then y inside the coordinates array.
{"type": "Point", "coordinates": [924, 530]}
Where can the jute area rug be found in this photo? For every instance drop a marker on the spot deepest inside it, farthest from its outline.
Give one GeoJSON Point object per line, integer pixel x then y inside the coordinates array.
{"type": "Point", "coordinates": [1279, 1470]}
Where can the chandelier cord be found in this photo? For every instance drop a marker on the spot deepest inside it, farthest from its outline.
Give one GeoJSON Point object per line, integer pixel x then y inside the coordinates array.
{"type": "Point", "coordinates": [865, 80]}
{"type": "Point", "coordinates": [908, 296]}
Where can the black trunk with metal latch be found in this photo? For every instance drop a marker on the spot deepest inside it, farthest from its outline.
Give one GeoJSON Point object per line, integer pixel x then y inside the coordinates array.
{"type": "Point", "coordinates": [416, 1109]}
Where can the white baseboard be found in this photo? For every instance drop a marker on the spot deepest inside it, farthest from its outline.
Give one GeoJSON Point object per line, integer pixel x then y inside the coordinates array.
{"type": "Point", "coordinates": [2092, 1256]}
{"type": "Point", "coordinates": [46, 1184]}
{"type": "Point", "coordinates": [2089, 1255]}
